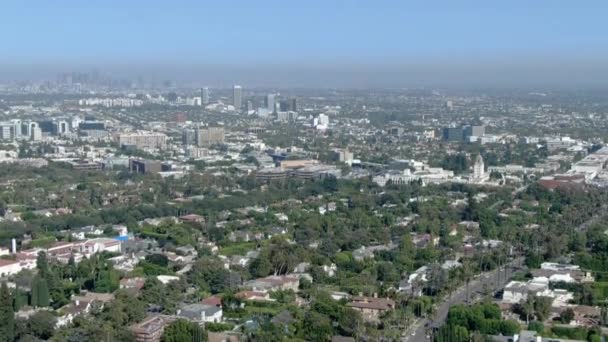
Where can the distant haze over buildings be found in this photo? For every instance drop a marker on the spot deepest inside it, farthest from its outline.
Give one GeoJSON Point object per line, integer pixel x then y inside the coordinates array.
{"type": "Point", "coordinates": [312, 43]}
{"type": "Point", "coordinates": [493, 74]}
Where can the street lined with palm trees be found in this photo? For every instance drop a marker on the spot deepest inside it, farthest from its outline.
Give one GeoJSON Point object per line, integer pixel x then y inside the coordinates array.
{"type": "Point", "coordinates": [471, 291]}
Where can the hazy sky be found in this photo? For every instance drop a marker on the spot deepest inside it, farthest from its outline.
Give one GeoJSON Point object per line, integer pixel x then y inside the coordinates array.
{"type": "Point", "coordinates": [458, 37]}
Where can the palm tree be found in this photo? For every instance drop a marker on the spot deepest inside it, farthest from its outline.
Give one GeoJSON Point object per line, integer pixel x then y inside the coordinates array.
{"type": "Point", "coordinates": [527, 307]}
{"type": "Point", "coordinates": [467, 274]}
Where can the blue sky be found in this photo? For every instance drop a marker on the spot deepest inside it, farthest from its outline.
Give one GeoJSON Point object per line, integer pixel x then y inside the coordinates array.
{"type": "Point", "coordinates": [299, 32]}
{"type": "Point", "coordinates": [306, 42]}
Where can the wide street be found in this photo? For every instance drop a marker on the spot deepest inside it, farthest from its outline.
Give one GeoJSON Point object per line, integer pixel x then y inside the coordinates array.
{"type": "Point", "coordinates": [494, 280]}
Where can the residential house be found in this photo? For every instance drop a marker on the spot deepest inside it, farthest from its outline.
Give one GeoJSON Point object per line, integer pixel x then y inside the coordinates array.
{"type": "Point", "coordinates": [240, 235]}
{"type": "Point", "coordinates": [330, 270]}
{"type": "Point", "coordinates": [337, 295]}
{"type": "Point", "coordinates": [276, 231]}
{"type": "Point", "coordinates": [125, 263]}
{"type": "Point", "coordinates": [166, 279]}
{"type": "Point", "coordinates": [134, 284]}
{"type": "Point", "coordinates": [424, 240]}
{"type": "Point", "coordinates": [529, 336]}
{"type": "Point", "coordinates": [364, 252]}
{"type": "Point", "coordinates": [120, 229]}
{"type": "Point", "coordinates": [331, 206]}
{"type": "Point", "coordinates": [302, 267]}
{"type": "Point", "coordinates": [138, 245]}
{"type": "Point", "coordinates": [214, 300]}
{"type": "Point", "coordinates": [81, 305]}
{"type": "Point", "coordinates": [262, 296]}
{"type": "Point", "coordinates": [178, 258]}
{"type": "Point", "coordinates": [70, 311]}
{"type": "Point", "coordinates": [151, 329]}
{"type": "Point", "coordinates": [192, 218]}
{"type": "Point", "coordinates": [94, 246]}
{"type": "Point", "coordinates": [239, 260]}
{"type": "Point", "coordinates": [157, 221]}
{"type": "Point", "coordinates": [225, 336]}
{"type": "Point", "coordinates": [469, 225]}
{"type": "Point", "coordinates": [451, 264]}
{"type": "Point", "coordinates": [281, 217]}
{"type": "Point", "coordinates": [274, 283]}
{"type": "Point", "coordinates": [371, 308]}
{"type": "Point", "coordinates": [9, 267]}
{"type": "Point", "coordinates": [83, 232]}
{"type": "Point", "coordinates": [60, 247]}
{"type": "Point", "coordinates": [322, 210]}
{"type": "Point", "coordinates": [414, 282]}
{"type": "Point", "coordinates": [518, 291]}
{"type": "Point", "coordinates": [201, 313]}
{"type": "Point", "coordinates": [186, 250]}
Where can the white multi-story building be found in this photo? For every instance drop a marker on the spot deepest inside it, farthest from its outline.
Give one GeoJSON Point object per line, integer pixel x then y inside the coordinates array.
{"type": "Point", "coordinates": [270, 103]}
{"type": "Point", "coordinates": [479, 172]}
{"type": "Point", "coordinates": [16, 128]}
{"type": "Point", "coordinates": [6, 131]}
{"type": "Point", "coordinates": [99, 245]}
{"type": "Point", "coordinates": [205, 96]}
{"type": "Point", "coordinates": [36, 133]}
{"type": "Point", "coordinates": [559, 143]}
{"type": "Point", "coordinates": [321, 122]}
{"type": "Point", "coordinates": [237, 97]}
{"type": "Point", "coordinates": [143, 140]}
{"type": "Point", "coordinates": [209, 136]}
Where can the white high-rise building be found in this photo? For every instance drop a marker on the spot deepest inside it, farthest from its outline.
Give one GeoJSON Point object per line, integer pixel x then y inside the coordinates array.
{"type": "Point", "coordinates": [237, 100]}
{"type": "Point", "coordinates": [36, 133]}
{"type": "Point", "coordinates": [321, 122]}
{"type": "Point", "coordinates": [26, 129]}
{"type": "Point", "coordinates": [142, 140]}
{"type": "Point", "coordinates": [16, 128]}
{"type": "Point", "coordinates": [479, 172]}
{"type": "Point", "coordinates": [6, 131]}
{"type": "Point", "coordinates": [270, 102]}
{"type": "Point", "coordinates": [63, 127]}
{"type": "Point", "coordinates": [205, 95]}
{"type": "Point", "coordinates": [75, 122]}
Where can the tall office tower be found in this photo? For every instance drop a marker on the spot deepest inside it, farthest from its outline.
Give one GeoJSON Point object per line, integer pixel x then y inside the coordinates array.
{"type": "Point", "coordinates": [208, 136]}
{"type": "Point", "coordinates": [453, 134]}
{"type": "Point", "coordinates": [479, 168]}
{"type": "Point", "coordinates": [143, 140]}
{"type": "Point", "coordinates": [270, 102]}
{"type": "Point", "coordinates": [6, 131]}
{"type": "Point", "coordinates": [205, 96]}
{"type": "Point", "coordinates": [248, 107]}
{"type": "Point", "coordinates": [36, 133]}
{"type": "Point", "coordinates": [284, 106]}
{"type": "Point", "coordinates": [26, 129]}
{"type": "Point", "coordinates": [189, 136]}
{"type": "Point", "coordinates": [237, 97]}
{"type": "Point", "coordinates": [62, 127]}
{"type": "Point", "coordinates": [16, 128]}
{"type": "Point", "coordinates": [75, 122]}
{"type": "Point", "coordinates": [449, 105]}
{"type": "Point", "coordinates": [294, 104]}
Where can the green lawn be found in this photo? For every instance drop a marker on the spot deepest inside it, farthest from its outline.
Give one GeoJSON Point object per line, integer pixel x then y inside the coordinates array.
{"type": "Point", "coordinates": [239, 248]}
{"type": "Point", "coordinates": [600, 288]}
